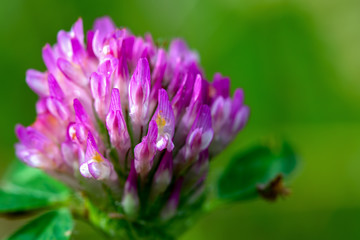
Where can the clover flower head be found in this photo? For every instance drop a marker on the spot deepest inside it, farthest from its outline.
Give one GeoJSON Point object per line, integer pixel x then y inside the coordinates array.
{"type": "Point", "coordinates": [119, 111]}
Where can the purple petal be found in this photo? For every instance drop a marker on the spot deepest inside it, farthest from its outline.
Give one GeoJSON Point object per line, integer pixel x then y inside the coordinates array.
{"type": "Point", "coordinates": [116, 125]}
{"type": "Point", "coordinates": [123, 68]}
{"type": "Point", "coordinates": [57, 108]}
{"type": "Point", "coordinates": [41, 105]}
{"type": "Point", "coordinates": [49, 58]}
{"type": "Point", "coordinates": [201, 133]}
{"type": "Point", "coordinates": [37, 82]}
{"type": "Point", "coordinates": [115, 103]}
{"type": "Point", "coordinates": [35, 149]}
{"type": "Point", "coordinates": [179, 50]}
{"type": "Point", "coordinates": [160, 66]}
{"type": "Point", "coordinates": [165, 120]}
{"type": "Point", "coordinates": [145, 151]}
{"type": "Point", "coordinates": [97, 44]}
{"type": "Point", "coordinates": [78, 50]}
{"type": "Point", "coordinates": [240, 119]}
{"type": "Point", "coordinates": [64, 41]}
{"type": "Point", "coordinates": [99, 170]}
{"type": "Point", "coordinates": [220, 112]}
{"type": "Point", "coordinates": [100, 89]}
{"type": "Point", "coordinates": [140, 50]}
{"type": "Point", "coordinates": [104, 25]}
{"type": "Point", "coordinates": [140, 82]}
{"type": "Point", "coordinates": [31, 137]}
{"type": "Point", "coordinates": [191, 112]}
{"type": "Point", "coordinates": [97, 167]}
{"type": "Point", "coordinates": [32, 157]}
{"type": "Point", "coordinates": [70, 153]}
{"type": "Point", "coordinates": [139, 91]}
{"type": "Point", "coordinates": [195, 103]}
{"type": "Point", "coordinates": [203, 120]}
{"type": "Point", "coordinates": [77, 132]}
{"type": "Point", "coordinates": [175, 78]}
{"type": "Point", "coordinates": [78, 31]}
{"type": "Point", "coordinates": [182, 97]}
{"type": "Point", "coordinates": [194, 142]}
{"type": "Point", "coordinates": [121, 81]}
{"type": "Point", "coordinates": [99, 85]}
{"type": "Point", "coordinates": [238, 100]}
{"type": "Point", "coordinates": [54, 88]}
{"type": "Point", "coordinates": [127, 46]}
{"type": "Point", "coordinates": [152, 132]}
{"type": "Point", "coordinates": [108, 67]}
{"type": "Point", "coordinates": [80, 113]}
{"type": "Point", "coordinates": [220, 86]}
{"type": "Point", "coordinates": [89, 43]}
{"type": "Point", "coordinates": [84, 170]}
{"type": "Point", "coordinates": [72, 72]}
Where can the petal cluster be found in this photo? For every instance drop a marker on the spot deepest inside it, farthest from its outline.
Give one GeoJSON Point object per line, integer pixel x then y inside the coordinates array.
{"type": "Point", "coordinates": [125, 112]}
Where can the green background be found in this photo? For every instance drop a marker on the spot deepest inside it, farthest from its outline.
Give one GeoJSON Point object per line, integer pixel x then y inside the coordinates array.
{"type": "Point", "coordinates": [298, 63]}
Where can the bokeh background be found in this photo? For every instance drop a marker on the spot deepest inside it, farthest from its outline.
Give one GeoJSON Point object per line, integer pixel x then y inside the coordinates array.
{"type": "Point", "coordinates": [298, 62]}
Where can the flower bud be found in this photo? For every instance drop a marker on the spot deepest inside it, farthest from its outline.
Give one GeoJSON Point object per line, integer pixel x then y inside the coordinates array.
{"type": "Point", "coordinates": [95, 165]}
{"type": "Point", "coordinates": [164, 118]}
{"type": "Point", "coordinates": [191, 112]}
{"type": "Point", "coordinates": [139, 91]}
{"type": "Point", "coordinates": [116, 125]}
{"type": "Point", "coordinates": [182, 97]}
{"type": "Point", "coordinates": [201, 133]}
{"type": "Point", "coordinates": [100, 89]}
{"type": "Point", "coordinates": [145, 151]}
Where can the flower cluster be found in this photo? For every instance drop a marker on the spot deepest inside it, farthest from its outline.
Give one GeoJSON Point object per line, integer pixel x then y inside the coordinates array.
{"type": "Point", "coordinates": [129, 115]}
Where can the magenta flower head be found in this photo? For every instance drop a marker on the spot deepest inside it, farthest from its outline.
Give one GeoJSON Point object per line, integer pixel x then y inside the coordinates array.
{"type": "Point", "coordinates": [120, 116]}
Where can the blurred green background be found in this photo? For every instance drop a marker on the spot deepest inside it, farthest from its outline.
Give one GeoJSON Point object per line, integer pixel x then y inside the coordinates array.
{"type": "Point", "coordinates": [298, 63]}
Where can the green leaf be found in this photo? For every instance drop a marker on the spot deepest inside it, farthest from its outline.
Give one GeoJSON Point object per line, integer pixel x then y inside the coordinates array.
{"type": "Point", "coordinates": [24, 188]}
{"type": "Point", "coordinates": [20, 200]}
{"type": "Point", "coordinates": [50, 226]}
{"type": "Point", "coordinates": [258, 165]}
{"type": "Point", "coordinates": [24, 176]}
